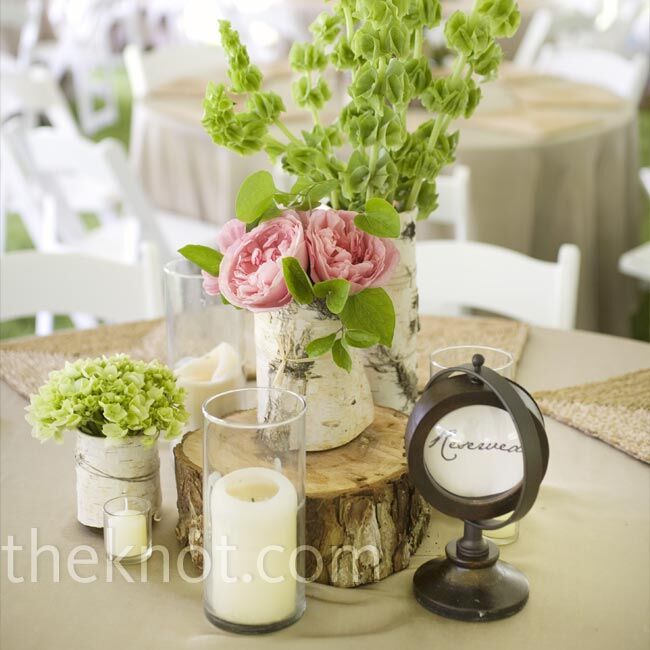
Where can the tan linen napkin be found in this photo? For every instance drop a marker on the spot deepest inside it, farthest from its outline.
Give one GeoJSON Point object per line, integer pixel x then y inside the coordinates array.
{"type": "Point", "coordinates": [616, 411]}
{"type": "Point", "coordinates": [188, 86]}
{"type": "Point", "coordinates": [195, 86]}
{"type": "Point", "coordinates": [535, 122]}
{"type": "Point", "coordinates": [562, 93]}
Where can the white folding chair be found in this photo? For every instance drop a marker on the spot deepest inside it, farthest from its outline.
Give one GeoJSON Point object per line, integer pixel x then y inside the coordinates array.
{"type": "Point", "coordinates": [623, 77]}
{"type": "Point", "coordinates": [34, 93]}
{"type": "Point", "coordinates": [62, 167]}
{"type": "Point", "coordinates": [644, 175]}
{"type": "Point", "coordinates": [26, 96]}
{"type": "Point", "coordinates": [636, 263]}
{"type": "Point", "coordinates": [535, 36]}
{"type": "Point", "coordinates": [67, 282]}
{"type": "Point", "coordinates": [23, 17]}
{"type": "Point", "coordinates": [487, 277]}
{"type": "Point", "coordinates": [453, 205]}
{"type": "Point", "coordinates": [82, 45]}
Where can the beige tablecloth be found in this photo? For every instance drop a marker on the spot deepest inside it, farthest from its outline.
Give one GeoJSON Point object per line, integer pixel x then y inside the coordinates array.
{"type": "Point", "coordinates": [584, 548]}
{"type": "Point", "coordinates": [551, 162]}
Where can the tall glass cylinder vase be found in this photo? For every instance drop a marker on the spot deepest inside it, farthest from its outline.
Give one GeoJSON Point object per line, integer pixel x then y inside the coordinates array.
{"type": "Point", "coordinates": [254, 509]}
{"type": "Point", "coordinates": [206, 340]}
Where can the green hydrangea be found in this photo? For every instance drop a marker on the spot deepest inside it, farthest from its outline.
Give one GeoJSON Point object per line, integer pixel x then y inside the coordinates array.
{"type": "Point", "coordinates": [113, 397]}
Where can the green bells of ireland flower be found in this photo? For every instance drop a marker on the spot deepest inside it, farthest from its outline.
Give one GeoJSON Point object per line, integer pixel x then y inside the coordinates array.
{"type": "Point", "coordinates": [503, 15]}
{"type": "Point", "coordinates": [366, 151]}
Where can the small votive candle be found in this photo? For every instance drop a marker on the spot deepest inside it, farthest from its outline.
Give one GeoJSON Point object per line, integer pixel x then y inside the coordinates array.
{"type": "Point", "coordinates": [503, 536]}
{"type": "Point", "coordinates": [218, 371]}
{"type": "Point", "coordinates": [127, 529]}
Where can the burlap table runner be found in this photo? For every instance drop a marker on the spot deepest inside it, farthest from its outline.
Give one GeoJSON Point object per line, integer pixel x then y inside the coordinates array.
{"type": "Point", "coordinates": [26, 363]}
{"type": "Point", "coordinates": [616, 411]}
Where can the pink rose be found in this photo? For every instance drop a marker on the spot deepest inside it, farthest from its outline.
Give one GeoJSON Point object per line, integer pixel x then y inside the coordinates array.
{"type": "Point", "coordinates": [338, 249]}
{"type": "Point", "coordinates": [251, 270]}
{"type": "Point", "coordinates": [230, 233]}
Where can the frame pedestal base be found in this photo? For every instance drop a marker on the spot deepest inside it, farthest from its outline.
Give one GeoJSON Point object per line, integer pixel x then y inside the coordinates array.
{"type": "Point", "coordinates": [484, 589]}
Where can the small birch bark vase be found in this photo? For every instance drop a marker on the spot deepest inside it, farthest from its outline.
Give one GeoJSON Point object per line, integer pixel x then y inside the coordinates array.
{"type": "Point", "coordinates": [107, 469]}
{"type": "Point", "coordinates": [339, 404]}
{"type": "Point", "coordinates": [392, 371]}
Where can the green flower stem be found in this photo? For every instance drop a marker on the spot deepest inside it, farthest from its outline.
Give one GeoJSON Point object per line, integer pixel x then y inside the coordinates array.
{"type": "Point", "coordinates": [417, 43]}
{"type": "Point", "coordinates": [439, 126]}
{"type": "Point", "coordinates": [313, 110]}
{"type": "Point", "coordinates": [374, 150]}
{"type": "Point", "coordinates": [349, 23]}
{"type": "Point", "coordinates": [372, 163]}
{"type": "Point", "coordinates": [286, 131]}
{"type": "Point", "coordinates": [334, 198]}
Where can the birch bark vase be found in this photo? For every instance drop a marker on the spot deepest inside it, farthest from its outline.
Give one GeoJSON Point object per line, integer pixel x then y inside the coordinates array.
{"type": "Point", "coordinates": [107, 469]}
{"type": "Point", "coordinates": [339, 404]}
{"type": "Point", "coordinates": [392, 371]}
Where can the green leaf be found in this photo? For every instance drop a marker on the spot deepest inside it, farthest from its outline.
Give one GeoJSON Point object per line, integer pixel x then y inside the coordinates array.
{"type": "Point", "coordinates": [335, 292]}
{"type": "Point", "coordinates": [310, 194]}
{"type": "Point", "coordinates": [271, 213]}
{"type": "Point", "coordinates": [298, 282]}
{"type": "Point", "coordinates": [255, 196]}
{"type": "Point", "coordinates": [319, 347]}
{"type": "Point", "coordinates": [371, 311]}
{"type": "Point", "coordinates": [341, 356]}
{"type": "Point", "coordinates": [360, 339]}
{"type": "Point", "coordinates": [206, 258]}
{"type": "Point", "coordinates": [380, 219]}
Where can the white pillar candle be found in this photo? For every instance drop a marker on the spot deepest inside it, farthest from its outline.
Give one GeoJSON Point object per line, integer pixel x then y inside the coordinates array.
{"type": "Point", "coordinates": [127, 534]}
{"type": "Point", "coordinates": [254, 511]}
{"type": "Point", "coordinates": [218, 371]}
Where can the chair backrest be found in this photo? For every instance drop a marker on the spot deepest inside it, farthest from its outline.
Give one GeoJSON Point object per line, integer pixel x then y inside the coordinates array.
{"type": "Point", "coordinates": [623, 77]}
{"type": "Point", "coordinates": [644, 175]}
{"type": "Point", "coordinates": [35, 93]}
{"type": "Point", "coordinates": [148, 71]}
{"type": "Point", "coordinates": [50, 156]}
{"type": "Point", "coordinates": [454, 200]}
{"type": "Point", "coordinates": [453, 205]}
{"type": "Point", "coordinates": [535, 36]}
{"type": "Point", "coordinates": [483, 276]}
{"type": "Point", "coordinates": [24, 17]}
{"type": "Point", "coordinates": [69, 282]}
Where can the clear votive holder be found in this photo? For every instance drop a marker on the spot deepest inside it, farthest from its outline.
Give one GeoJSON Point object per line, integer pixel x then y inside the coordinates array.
{"type": "Point", "coordinates": [206, 339]}
{"type": "Point", "coordinates": [127, 529]}
{"type": "Point", "coordinates": [254, 509]}
{"type": "Point", "coordinates": [501, 362]}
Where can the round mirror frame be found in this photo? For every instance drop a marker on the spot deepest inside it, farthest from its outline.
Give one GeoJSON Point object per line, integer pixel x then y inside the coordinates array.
{"type": "Point", "coordinates": [477, 386]}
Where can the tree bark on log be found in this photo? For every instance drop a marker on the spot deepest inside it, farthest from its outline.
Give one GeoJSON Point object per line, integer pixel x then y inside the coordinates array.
{"type": "Point", "coordinates": [363, 515]}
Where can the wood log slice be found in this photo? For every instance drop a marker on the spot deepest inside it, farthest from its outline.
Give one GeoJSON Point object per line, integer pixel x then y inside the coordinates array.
{"type": "Point", "coordinates": [363, 515]}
